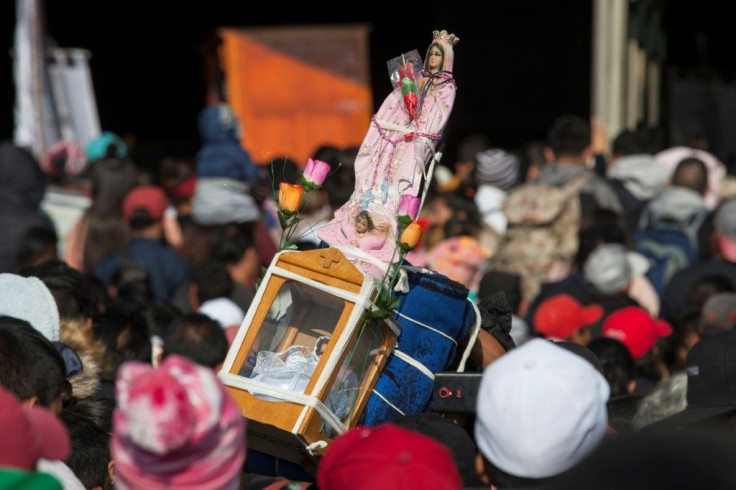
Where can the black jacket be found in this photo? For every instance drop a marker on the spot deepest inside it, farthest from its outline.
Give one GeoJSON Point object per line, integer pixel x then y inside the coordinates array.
{"type": "Point", "coordinates": [22, 186]}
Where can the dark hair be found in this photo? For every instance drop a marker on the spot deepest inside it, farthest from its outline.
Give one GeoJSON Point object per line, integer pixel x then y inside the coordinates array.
{"type": "Point", "coordinates": [533, 156]}
{"type": "Point", "coordinates": [465, 218]}
{"type": "Point", "coordinates": [35, 246]}
{"type": "Point", "coordinates": [140, 219]}
{"type": "Point", "coordinates": [104, 236]}
{"type": "Point", "coordinates": [691, 173]}
{"type": "Point", "coordinates": [283, 169]}
{"type": "Point", "coordinates": [449, 434]}
{"type": "Point", "coordinates": [106, 230]}
{"type": "Point", "coordinates": [133, 285]}
{"type": "Point", "coordinates": [111, 179]}
{"type": "Point", "coordinates": [328, 154]}
{"type": "Point", "coordinates": [125, 337]}
{"type": "Point", "coordinates": [198, 338]}
{"type": "Point", "coordinates": [99, 410]}
{"type": "Point", "coordinates": [510, 284]}
{"type": "Point", "coordinates": [470, 146]}
{"type": "Point", "coordinates": [29, 364]}
{"type": "Point", "coordinates": [705, 288]}
{"type": "Point", "coordinates": [213, 281]}
{"type": "Point", "coordinates": [228, 243]}
{"type": "Point", "coordinates": [569, 135]}
{"type": "Point", "coordinates": [628, 143]}
{"type": "Point", "coordinates": [197, 243]}
{"type": "Point", "coordinates": [101, 300]}
{"type": "Point", "coordinates": [501, 479]}
{"type": "Point", "coordinates": [159, 315]}
{"type": "Point", "coordinates": [90, 451]}
{"type": "Point", "coordinates": [341, 181]}
{"type": "Point", "coordinates": [601, 226]}
{"type": "Point", "coordinates": [617, 363]}
{"type": "Point", "coordinates": [68, 286]}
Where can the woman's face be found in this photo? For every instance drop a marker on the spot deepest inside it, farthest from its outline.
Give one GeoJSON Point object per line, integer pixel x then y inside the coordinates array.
{"type": "Point", "coordinates": [435, 59]}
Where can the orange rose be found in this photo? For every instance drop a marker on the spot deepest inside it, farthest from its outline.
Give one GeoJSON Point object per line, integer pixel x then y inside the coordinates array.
{"type": "Point", "coordinates": [410, 236]}
{"type": "Point", "coordinates": [290, 196]}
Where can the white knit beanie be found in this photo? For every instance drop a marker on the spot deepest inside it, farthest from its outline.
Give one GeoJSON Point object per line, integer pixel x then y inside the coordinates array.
{"type": "Point", "coordinates": [28, 298]}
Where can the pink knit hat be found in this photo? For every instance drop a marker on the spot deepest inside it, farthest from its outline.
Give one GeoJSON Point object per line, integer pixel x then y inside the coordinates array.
{"type": "Point", "coordinates": [461, 259]}
{"type": "Point", "coordinates": [175, 427]}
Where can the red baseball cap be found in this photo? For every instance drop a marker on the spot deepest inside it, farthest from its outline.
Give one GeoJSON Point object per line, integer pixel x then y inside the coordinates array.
{"type": "Point", "coordinates": [28, 434]}
{"type": "Point", "coordinates": [636, 329]}
{"type": "Point", "coordinates": [560, 316]}
{"type": "Point", "coordinates": [152, 198]}
{"type": "Point", "coordinates": [387, 457]}
{"type": "Point", "coordinates": [185, 188]}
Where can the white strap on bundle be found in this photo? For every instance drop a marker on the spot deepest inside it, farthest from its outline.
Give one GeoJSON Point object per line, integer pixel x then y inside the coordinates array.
{"type": "Point", "coordinates": [414, 363]}
{"type": "Point", "coordinates": [258, 388]}
{"type": "Point", "coordinates": [416, 322]}
{"type": "Point", "coordinates": [471, 341]}
{"type": "Point", "coordinates": [379, 395]}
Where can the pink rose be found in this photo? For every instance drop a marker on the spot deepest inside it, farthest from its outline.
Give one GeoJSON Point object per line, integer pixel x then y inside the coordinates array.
{"type": "Point", "coordinates": [316, 172]}
{"type": "Point", "coordinates": [409, 206]}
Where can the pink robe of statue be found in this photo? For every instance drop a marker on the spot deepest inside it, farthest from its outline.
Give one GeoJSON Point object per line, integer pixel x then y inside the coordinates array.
{"type": "Point", "coordinates": [391, 162]}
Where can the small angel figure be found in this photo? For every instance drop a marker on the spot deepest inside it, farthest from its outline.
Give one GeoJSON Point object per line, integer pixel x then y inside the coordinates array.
{"type": "Point", "coordinates": [394, 154]}
{"type": "Point", "coordinates": [367, 235]}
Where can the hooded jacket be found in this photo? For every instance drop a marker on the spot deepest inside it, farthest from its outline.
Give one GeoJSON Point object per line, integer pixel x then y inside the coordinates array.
{"type": "Point", "coordinates": [637, 179]}
{"type": "Point", "coordinates": [675, 204]}
{"type": "Point", "coordinates": [221, 155]}
{"type": "Point", "coordinates": [597, 193]}
{"type": "Point", "coordinates": [641, 175]}
{"type": "Point", "coordinates": [22, 186]}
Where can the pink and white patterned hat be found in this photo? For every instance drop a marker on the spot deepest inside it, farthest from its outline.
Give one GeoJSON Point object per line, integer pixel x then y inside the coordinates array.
{"type": "Point", "coordinates": [175, 427]}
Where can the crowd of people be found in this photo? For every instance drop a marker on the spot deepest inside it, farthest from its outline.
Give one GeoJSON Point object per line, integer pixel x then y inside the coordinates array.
{"type": "Point", "coordinates": [122, 288]}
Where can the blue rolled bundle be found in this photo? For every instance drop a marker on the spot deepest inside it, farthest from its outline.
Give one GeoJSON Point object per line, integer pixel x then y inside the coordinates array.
{"type": "Point", "coordinates": [434, 317]}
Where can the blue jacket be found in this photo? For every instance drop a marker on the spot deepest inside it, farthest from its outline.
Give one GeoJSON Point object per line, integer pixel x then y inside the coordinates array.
{"type": "Point", "coordinates": [167, 271]}
{"type": "Point", "coordinates": [221, 154]}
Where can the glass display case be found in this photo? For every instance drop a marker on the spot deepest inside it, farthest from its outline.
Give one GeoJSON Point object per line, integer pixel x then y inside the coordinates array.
{"type": "Point", "coordinates": [305, 359]}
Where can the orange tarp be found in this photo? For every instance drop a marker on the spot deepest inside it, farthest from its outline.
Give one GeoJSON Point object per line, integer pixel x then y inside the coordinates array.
{"type": "Point", "coordinates": [296, 88]}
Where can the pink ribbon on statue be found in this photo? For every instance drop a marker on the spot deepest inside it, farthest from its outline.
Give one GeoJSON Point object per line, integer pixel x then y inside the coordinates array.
{"type": "Point", "coordinates": [405, 137]}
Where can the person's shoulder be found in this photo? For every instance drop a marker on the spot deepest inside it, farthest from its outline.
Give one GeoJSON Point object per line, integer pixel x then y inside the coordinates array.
{"type": "Point", "coordinates": [684, 278]}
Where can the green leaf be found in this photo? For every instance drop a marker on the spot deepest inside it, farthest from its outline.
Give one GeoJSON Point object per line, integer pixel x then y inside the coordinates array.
{"type": "Point", "coordinates": [394, 304]}
{"type": "Point", "coordinates": [290, 246]}
{"type": "Point", "coordinates": [377, 314]}
{"type": "Point", "coordinates": [282, 219]}
{"type": "Point", "coordinates": [403, 221]}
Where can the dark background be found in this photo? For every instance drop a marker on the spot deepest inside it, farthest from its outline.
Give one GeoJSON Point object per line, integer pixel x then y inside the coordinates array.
{"type": "Point", "coordinates": [518, 64]}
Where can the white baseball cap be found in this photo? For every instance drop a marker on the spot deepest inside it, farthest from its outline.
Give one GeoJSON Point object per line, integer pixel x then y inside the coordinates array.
{"type": "Point", "coordinates": [540, 410]}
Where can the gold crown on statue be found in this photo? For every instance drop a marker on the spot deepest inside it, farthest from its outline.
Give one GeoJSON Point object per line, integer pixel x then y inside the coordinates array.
{"type": "Point", "coordinates": [443, 35]}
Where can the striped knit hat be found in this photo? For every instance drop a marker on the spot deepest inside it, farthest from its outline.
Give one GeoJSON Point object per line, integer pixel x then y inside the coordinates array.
{"type": "Point", "coordinates": [497, 168]}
